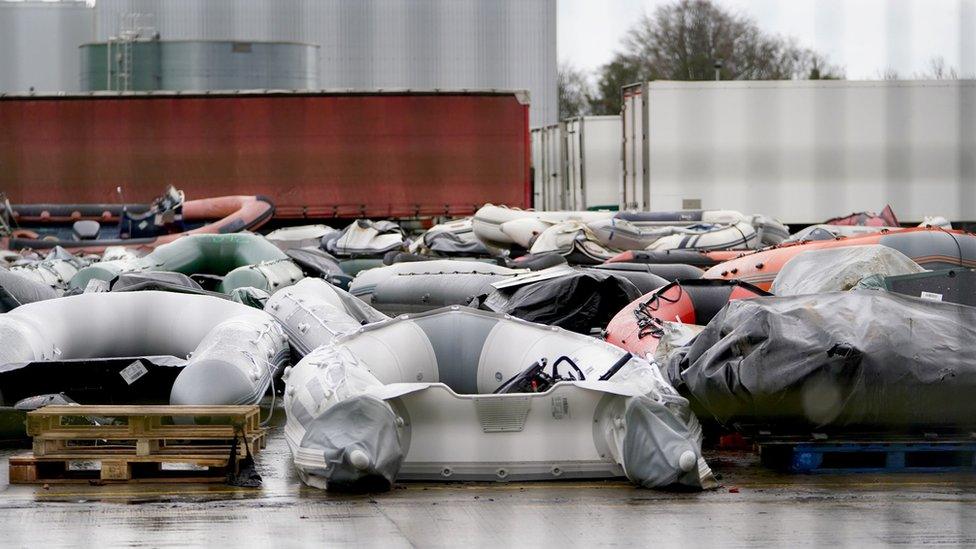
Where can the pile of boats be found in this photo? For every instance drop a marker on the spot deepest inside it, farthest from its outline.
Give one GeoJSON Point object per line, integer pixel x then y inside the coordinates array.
{"type": "Point", "coordinates": [512, 345]}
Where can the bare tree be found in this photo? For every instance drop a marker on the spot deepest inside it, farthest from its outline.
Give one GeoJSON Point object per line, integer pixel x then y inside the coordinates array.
{"type": "Point", "coordinates": [889, 73]}
{"type": "Point", "coordinates": [938, 70]}
{"type": "Point", "coordinates": [575, 91]}
{"type": "Point", "coordinates": [684, 40]}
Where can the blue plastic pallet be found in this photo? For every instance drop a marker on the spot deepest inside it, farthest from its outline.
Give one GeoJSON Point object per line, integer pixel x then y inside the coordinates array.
{"type": "Point", "coordinates": [883, 457]}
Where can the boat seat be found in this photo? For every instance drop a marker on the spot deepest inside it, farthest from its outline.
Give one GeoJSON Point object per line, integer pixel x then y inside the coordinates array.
{"type": "Point", "coordinates": [86, 229]}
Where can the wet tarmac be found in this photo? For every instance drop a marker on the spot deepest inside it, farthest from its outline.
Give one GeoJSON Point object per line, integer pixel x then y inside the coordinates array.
{"type": "Point", "coordinates": [755, 507]}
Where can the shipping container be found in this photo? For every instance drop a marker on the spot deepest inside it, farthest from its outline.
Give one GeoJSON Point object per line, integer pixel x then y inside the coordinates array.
{"type": "Point", "coordinates": [803, 151]}
{"type": "Point", "coordinates": [316, 155]}
{"type": "Point", "coordinates": [548, 162]}
{"type": "Point", "coordinates": [593, 162]}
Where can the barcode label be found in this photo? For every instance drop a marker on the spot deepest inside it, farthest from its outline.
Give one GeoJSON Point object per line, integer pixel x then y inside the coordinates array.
{"type": "Point", "coordinates": [931, 296]}
{"type": "Point", "coordinates": [132, 372]}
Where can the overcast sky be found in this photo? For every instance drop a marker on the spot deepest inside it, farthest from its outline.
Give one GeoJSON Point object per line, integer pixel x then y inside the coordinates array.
{"type": "Point", "coordinates": [862, 36]}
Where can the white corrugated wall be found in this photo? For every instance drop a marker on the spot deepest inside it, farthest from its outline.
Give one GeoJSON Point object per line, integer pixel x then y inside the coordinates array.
{"type": "Point", "coordinates": [365, 44]}
{"type": "Point", "coordinates": [39, 45]}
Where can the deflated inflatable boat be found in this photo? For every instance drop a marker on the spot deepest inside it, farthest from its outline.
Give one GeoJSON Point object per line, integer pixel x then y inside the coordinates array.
{"type": "Point", "coordinates": [412, 398]}
{"type": "Point", "coordinates": [234, 350]}
{"type": "Point", "coordinates": [241, 259]}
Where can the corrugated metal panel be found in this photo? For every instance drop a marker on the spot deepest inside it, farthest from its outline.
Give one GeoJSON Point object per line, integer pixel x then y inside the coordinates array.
{"type": "Point", "coordinates": [39, 44]}
{"type": "Point", "coordinates": [450, 44]}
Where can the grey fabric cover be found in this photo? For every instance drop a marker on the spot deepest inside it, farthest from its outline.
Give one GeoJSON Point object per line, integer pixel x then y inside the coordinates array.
{"type": "Point", "coordinates": [252, 297]}
{"type": "Point", "coordinates": [16, 290]}
{"type": "Point", "coordinates": [158, 280]}
{"type": "Point", "coordinates": [365, 424]}
{"type": "Point", "coordinates": [655, 441]}
{"type": "Point", "coordinates": [865, 359]}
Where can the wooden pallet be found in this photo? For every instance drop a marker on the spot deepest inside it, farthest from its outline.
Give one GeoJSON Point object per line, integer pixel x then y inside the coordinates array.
{"type": "Point", "coordinates": [870, 457]}
{"type": "Point", "coordinates": [136, 443]}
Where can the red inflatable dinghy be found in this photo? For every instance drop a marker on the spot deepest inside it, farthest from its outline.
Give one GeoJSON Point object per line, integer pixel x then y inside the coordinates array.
{"type": "Point", "coordinates": [638, 326]}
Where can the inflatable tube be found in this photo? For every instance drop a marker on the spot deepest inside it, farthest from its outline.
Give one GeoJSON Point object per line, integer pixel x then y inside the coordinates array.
{"type": "Point", "coordinates": [417, 293]}
{"type": "Point", "coordinates": [366, 282]}
{"type": "Point", "coordinates": [667, 271]}
{"type": "Point", "coordinates": [242, 259]}
{"type": "Point", "coordinates": [233, 214]}
{"type": "Point", "coordinates": [300, 237]}
{"type": "Point", "coordinates": [234, 350]}
{"type": "Point", "coordinates": [17, 290]}
{"type": "Point", "coordinates": [54, 273]}
{"type": "Point", "coordinates": [680, 257]}
{"type": "Point", "coordinates": [412, 398]}
{"type": "Point", "coordinates": [494, 224]}
{"type": "Point", "coordinates": [638, 326]}
{"type": "Point", "coordinates": [932, 248]}
{"type": "Point", "coordinates": [314, 312]}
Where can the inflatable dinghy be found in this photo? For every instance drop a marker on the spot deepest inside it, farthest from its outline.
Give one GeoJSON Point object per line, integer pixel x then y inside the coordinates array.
{"type": "Point", "coordinates": [452, 239]}
{"type": "Point", "coordinates": [54, 271]}
{"type": "Point", "coordinates": [426, 273]}
{"type": "Point", "coordinates": [241, 259]}
{"type": "Point", "coordinates": [461, 394]}
{"type": "Point", "coordinates": [690, 229]}
{"type": "Point", "coordinates": [234, 350]}
{"type": "Point", "coordinates": [638, 326]}
{"type": "Point", "coordinates": [365, 238]}
{"type": "Point", "coordinates": [506, 226]}
{"type": "Point", "coordinates": [932, 248]}
{"type": "Point", "coordinates": [313, 312]}
{"type": "Point", "coordinates": [78, 227]}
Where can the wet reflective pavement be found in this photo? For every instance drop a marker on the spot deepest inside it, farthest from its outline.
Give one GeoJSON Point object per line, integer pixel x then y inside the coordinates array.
{"type": "Point", "coordinates": [754, 507]}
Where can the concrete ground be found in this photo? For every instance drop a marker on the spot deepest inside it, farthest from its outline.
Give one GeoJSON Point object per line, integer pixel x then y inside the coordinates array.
{"type": "Point", "coordinates": [755, 507]}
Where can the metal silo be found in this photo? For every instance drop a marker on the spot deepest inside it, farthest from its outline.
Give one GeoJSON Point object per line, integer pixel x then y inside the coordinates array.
{"type": "Point", "coordinates": [198, 65]}
{"type": "Point", "coordinates": [370, 44]}
{"type": "Point", "coordinates": [39, 44]}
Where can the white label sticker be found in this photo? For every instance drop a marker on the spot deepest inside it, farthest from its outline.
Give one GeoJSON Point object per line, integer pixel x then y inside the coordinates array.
{"type": "Point", "coordinates": [560, 407]}
{"type": "Point", "coordinates": [133, 371]}
{"type": "Point", "coordinates": [931, 296]}
{"type": "Point", "coordinates": [95, 286]}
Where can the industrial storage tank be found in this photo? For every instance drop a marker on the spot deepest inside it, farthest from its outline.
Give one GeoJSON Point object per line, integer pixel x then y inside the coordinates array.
{"type": "Point", "coordinates": [39, 44]}
{"type": "Point", "coordinates": [149, 65]}
{"type": "Point", "coordinates": [379, 44]}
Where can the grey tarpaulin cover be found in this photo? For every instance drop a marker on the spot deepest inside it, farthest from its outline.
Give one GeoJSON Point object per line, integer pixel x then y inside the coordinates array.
{"type": "Point", "coordinates": [359, 440]}
{"type": "Point", "coordinates": [578, 301]}
{"type": "Point", "coordinates": [157, 280]}
{"type": "Point", "coordinates": [653, 424]}
{"type": "Point", "coordinates": [839, 269]}
{"type": "Point", "coordinates": [861, 358]}
{"type": "Point", "coordinates": [16, 290]}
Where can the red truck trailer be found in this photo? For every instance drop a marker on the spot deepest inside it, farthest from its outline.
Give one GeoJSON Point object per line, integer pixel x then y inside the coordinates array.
{"type": "Point", "coordinates": [315, 154]}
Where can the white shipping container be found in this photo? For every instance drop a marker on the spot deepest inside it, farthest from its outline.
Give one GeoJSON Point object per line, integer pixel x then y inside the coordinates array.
{"type": "Point", "coordinates": [803, 151]}
{"type": "Point", "coordinates": [593, 162]}
{"type": "Point", "coordinates": [547, 168]}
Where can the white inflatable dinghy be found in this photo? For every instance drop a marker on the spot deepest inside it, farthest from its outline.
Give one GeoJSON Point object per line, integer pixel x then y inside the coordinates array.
{"type": "Point", "coordinates": [412, 398]}
{"type": "Point", "coordinates": [365, 284]}
{"type": "Point", "coordinates": [300, 237]}
{"type": "Point", "coordinates": [234, 350]}
{"type": "Point", "coordinates": [313, 312]}
{"type": "Point", "coordinates": [506, 226]}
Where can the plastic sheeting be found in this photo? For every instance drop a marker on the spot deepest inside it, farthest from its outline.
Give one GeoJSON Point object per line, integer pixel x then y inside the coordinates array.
{"type": "Point", "coordinates": [863, 359]}
{"type": "Point", "coordinates": [839, 269]}
{"type": "Point", "coordinates": [578, 301]}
